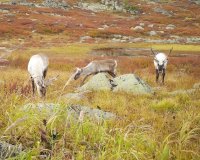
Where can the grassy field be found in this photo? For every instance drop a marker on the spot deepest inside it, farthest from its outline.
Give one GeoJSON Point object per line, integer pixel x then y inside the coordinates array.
{"type": "Point", "coordinates": [159, 126]}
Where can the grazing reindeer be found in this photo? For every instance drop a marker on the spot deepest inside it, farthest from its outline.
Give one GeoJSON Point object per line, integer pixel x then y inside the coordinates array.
{"type": "Point", "coordinates": [37, 67]}
{"type": "Point", "coordinates": [160, 63]}
{"type": "Point", "coordinates": [95, 67]}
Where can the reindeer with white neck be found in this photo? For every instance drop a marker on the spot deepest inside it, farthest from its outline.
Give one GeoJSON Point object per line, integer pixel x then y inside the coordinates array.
{"type": "Point", "coordinates": [37, 68]}
{"type": "Point", "coordinates": [160, 63]}
{"type": "Point", "coordinates": [94, 67]}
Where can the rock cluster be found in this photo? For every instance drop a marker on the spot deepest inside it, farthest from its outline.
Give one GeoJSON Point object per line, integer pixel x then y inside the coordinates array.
{"type": "Point", "coordinates": [163, 11]}
{"type": "Point", "coordinates": [115, 4]}
{"type": "Point", "coordinates": [111, 5]}
{"type": "Point", "coordinates": [129, 83]}
{"type": "Point", "coordinates": [61, 4]}
{"type": "Point", "coordinates": [73, 111]}
{"type": "Point", "coordinates": [56, 4]}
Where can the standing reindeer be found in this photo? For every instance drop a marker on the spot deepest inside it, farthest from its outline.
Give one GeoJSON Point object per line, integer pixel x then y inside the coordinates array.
{"type": "Point", "coordinates": [37, 67]}
{"type": "Point", "coordinates": [93, 68]}
{"type": "Point", "coordinates": [160, 63]}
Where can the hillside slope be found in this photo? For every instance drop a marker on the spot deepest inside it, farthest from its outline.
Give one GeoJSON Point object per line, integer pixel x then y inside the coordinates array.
{"type": "Point", "coordinates": [135, 21]}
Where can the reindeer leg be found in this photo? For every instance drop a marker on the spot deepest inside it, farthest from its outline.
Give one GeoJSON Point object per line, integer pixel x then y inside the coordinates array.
{"type": "Point", "coordinates": [157, 75]}
{"type": "Point", "coordinates": [163, 76]}
{"type": "Point", "coordinates": [33, 86]}
{"type": "Point", "coordinates": [84, 79]}
{"type": "Point", "coordinates": [45, 73]}
{"type": "Point", "coordinates": [112, 74]}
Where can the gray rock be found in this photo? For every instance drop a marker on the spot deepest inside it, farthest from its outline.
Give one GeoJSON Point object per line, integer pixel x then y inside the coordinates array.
{"type": "Point", "coordinates": [132, 84]}
{"type": "Point", "coordinates": [8, 150]}
{"type": "Point", "coordinates": [10, 15]}
{"type": "Point", "coordinates": [129, 83]}
{"type": "Point", "coordinates": [117, 36]}
{"type": "Point", "coordinates": [40, 106]}
{"type": "Point", "coordinates": [163, 11]}
{"type": "Point", "coordinates": [152, 33]}
{"type": "Point", "coordinates": [142, 24]}
{"type": "Point", "coordinates": [137, 40]}
{"type": "Point", "coordinates": [196, 1]}
{"type": "Point", "coordinates": [85, 38]}
{"type": "Point", "coordinates": [55, 4]}
{"type": "Point", "coordinates": [76, 96]}
{"type": "Point", "coordinates": [4, 11]}
{"type": "Point", "coordinates": [97, 82]}
{"type": "Point", "coordinates": [14, 2]}
{"type": "Point", "coordinates": [95, 7]}
{"type": "Point", "coordinates": [137, 28]}
{"type": "Point", "coordinates": [125, 38]}
{"type": "Point", "coordinates": [73, 111]}
{"type": "Point", "coordinates": [116, 40]}
{"type": "Point", "coordinates": [28, 4]}
{"type": "Point", "coordinates": [193, 40]}
{"type": "Point", "coordinates": [123, 41]}
{"type": "Point", "coordinates": [105, 5]}
{"type": "Point", "coordinates": [105, 27]}
{"type": "Point", "coordinates": [91, 113]}
{"type": "Point", "coordinates": [170, 27]}
{"type": "Point", "coordinates": [114, 4]}
{"type": "Point", "coordinates": [22, 2]}
{"type": "Point", "coordinates": [150, 25]}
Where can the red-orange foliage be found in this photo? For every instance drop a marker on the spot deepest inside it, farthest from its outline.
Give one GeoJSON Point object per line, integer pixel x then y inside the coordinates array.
{"type": "Point", "coordinates": [17, 87]}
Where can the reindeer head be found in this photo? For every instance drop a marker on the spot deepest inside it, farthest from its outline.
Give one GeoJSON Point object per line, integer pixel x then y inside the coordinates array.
{"type": "Point", "coordinates": [42, 85]}
{"type": "Point", "coordinates": [160, 62]}
{"type": "Point", "coordinates": [78, 73]}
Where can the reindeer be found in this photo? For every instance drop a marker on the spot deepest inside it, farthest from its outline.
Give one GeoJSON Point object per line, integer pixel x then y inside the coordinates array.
{"type": "Point", "coordinates": [160, 63]}
{"type": "Point", "coordinates": [94, 67]}
{"type": "Point", "coordinates": [37, 68]}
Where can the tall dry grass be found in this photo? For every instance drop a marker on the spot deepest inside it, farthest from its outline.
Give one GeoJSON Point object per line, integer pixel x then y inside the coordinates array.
{"type": "Point", "coordinates": [160, 126]}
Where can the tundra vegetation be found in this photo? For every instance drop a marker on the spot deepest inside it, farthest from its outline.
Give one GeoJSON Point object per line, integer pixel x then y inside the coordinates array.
{"type": "Point", "coordinates": [157, 126]}
{"type": "Point", "coordinates": [151, 126]}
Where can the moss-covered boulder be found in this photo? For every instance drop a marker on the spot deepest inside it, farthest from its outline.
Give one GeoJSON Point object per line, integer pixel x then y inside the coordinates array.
{"type": "Point", "coordinates": [99, 81]}
{"type": "Point", "coordinates": [132, 84]}
{"type": "Point", "coordinates": [129, 83]}
{"type": "Point", "coordinates": [73, 111]}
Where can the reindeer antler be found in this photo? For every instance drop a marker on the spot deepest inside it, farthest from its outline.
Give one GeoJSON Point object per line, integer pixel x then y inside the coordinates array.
{"type": "Point", "coordinates": [170, 51]}
{"type": "Point", "coordinates": [153, 51]}
{"type": "Point", "coordinates": [51, 80]}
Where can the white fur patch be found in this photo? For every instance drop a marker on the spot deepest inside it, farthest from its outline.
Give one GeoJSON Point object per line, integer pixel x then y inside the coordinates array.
{"type": "Point", "coordinates": [160, 59]}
